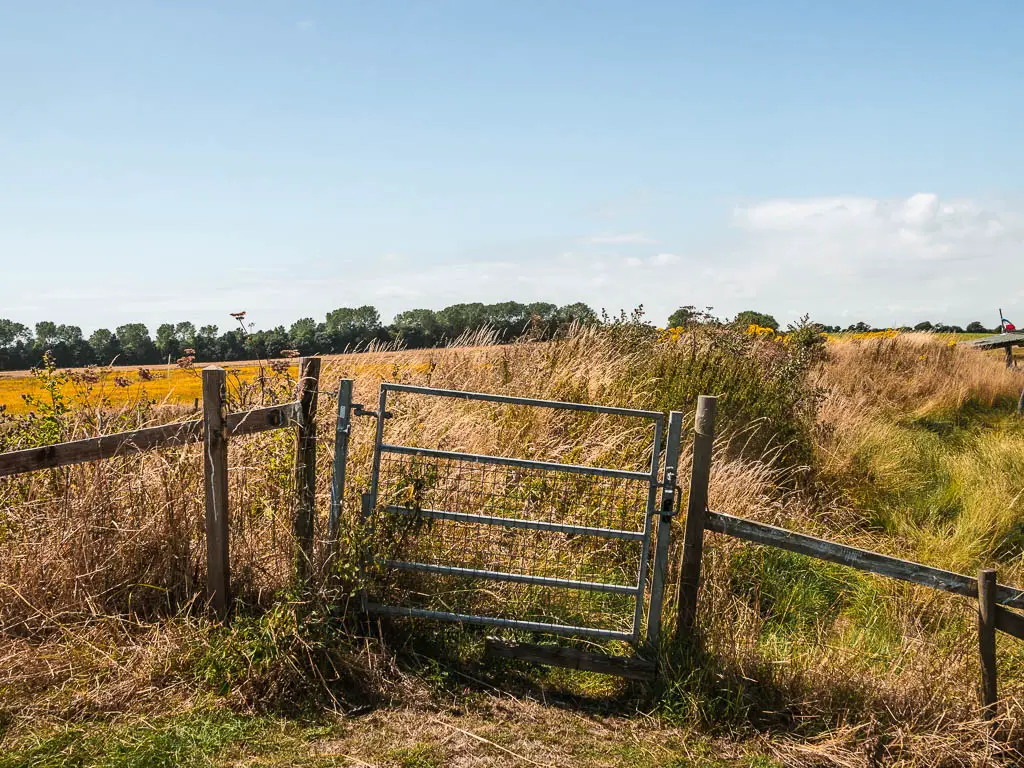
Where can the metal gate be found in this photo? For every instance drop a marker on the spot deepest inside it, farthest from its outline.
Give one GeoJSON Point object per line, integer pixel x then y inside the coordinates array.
{"type": "Point", "coordinates": [517, 543]}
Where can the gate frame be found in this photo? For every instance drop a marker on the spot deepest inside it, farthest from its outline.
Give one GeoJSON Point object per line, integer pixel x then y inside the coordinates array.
{"type": "Point", "coordinates": [652, 508]}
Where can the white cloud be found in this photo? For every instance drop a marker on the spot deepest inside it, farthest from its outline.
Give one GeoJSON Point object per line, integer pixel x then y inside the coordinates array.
{"type": "Point", "coordinates": [884, 260]}
{"type": "Point", "coordinates": [841, 259]}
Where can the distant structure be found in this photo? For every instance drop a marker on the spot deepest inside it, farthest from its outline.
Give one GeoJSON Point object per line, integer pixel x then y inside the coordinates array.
{"type": "Point", "coordinates": [1007, 338]}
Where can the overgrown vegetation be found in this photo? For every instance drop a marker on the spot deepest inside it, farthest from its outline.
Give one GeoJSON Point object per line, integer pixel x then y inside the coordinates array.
{"type": "Point", "coordinates": [900, 444]}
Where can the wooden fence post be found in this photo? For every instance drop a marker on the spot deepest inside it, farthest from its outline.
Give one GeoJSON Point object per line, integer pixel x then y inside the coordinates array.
{"type": "Point", "coordinates": [987, 640]}
{"type": "Point", "coordinates": [305, 466]}
{"type": "Point", "coordinates": [215, 482]}
{"type": "Point", "coordinates": [696, 507]}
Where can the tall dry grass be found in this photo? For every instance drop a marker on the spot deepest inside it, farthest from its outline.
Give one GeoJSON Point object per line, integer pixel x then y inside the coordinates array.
{"type": "Point", "coordinates": [788, 643]}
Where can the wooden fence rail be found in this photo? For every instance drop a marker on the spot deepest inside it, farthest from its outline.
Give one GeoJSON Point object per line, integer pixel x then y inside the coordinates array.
{"type": "Point", "coordinates": [214, 430]}
{"type": "Point", "coordinates": [994, 600]}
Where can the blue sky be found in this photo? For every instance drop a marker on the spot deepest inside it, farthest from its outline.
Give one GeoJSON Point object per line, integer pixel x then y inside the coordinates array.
{"type": "Point", "coordinates": [169, 161]}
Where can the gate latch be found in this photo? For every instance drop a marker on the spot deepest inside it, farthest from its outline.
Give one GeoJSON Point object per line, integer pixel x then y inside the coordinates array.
{"type": "Point", "coordinates": [668, 494]}
{"type": "Point", "coordinates": [359, 410]}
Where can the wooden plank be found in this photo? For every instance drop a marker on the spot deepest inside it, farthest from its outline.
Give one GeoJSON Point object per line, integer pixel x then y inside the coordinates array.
{"type": "Point", "coordinates": [215, 484]}
{"type": "Point", "coordinates": [97, 448]}
{"type": "Point", "coordinates": [696, 510]}
{"type": "Point", "coordinates": [263, 419]}
{"type": "Point", "coordinates": [1009, 622]}
{"type": "Point", "coordinates": [987, 640]}
{"type": "Point", "coordinates": [305, 466]}
{"type": "Point", "coordinates": [862, 559]}
{"type": "Point", "coordinates": [141, 440]}
{"type": "Point", "coordinates": [573, 658]}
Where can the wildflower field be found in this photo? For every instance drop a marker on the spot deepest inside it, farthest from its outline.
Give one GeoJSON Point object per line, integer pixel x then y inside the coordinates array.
{"type": "Point", "coordinates": [901, 443]}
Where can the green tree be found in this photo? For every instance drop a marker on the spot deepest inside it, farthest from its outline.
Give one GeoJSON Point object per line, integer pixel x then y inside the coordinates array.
{"type": "Point", "coordinates": [976, 327]}
{"type": "Point", "coordinates": [138, 348]}
{"type": "Point", "coordinates": [577, 312]}
{"type": "Point", "coordinates": [348, 327]}
{"type": "Point", "coordinates": [105, 346]}
{"type": "Point", "coordinates": [46, 333]}
{"type": "Point", "coordinates": [750, 317]}
{"type": "Point", "coordinates": [302, 335]}
{"type": "Point", "coordinates": [417, 328]}
{"type": "Point", "coordinates": [167, 341]}
{"type": "Point", "coordinates": [925, 326]}
{"type": "Point", "coordinates": [11, 333]}
{"type": "Point", "coordinates": [185, 333]}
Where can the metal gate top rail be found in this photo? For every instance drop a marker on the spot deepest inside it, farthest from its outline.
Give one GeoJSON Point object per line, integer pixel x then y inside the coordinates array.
{"type": "Point", "coordinates": [461, 395]}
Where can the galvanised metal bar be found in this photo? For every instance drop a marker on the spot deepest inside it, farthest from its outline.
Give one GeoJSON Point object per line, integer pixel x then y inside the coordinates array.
{"type": "Point", "coordinates": [652, 505]}
{"type": "Point", "coordinates": [668, 499]}
{"type": "Point", "coordinates": [606, 409]}
{"type": "Point", "coordinates": [342, 429]}
{"type": "Point", "coordinates": [509, 462]}
{"type": "Point", "coordinates": [489, 621]}
{"type": "Point", "coordinates": [516, 578]}
{"type": "Point", "coordinates": [515, 522]}
{"type": "Point", "coordinates": [378, 446]}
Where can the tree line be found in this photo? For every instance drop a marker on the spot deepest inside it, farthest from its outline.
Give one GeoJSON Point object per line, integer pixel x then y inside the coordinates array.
{"type": "Point", "coordinates": [688, 315]}
{"type": "Point", "coordinates": [344, 329]}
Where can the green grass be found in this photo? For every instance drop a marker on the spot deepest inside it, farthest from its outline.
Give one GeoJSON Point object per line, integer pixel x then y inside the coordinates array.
{"type": "Point", "coordinates": [193, 740]}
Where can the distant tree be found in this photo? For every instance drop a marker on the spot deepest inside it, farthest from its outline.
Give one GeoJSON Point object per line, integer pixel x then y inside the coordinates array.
{"type": "Point", "coordinates": [577, 312]}
{"type": "Point", "coordinates": [15, 344]}
{"type": "Point", "coordinates": [167, 342]}
{"type": "Point", "coordinates": [459, 318]}
{"type": "Point", "coordinates": [206, 343]}
{"type": "Point", "coordinates": [925, 326]}
{"type": "Point", "coordinates": [138, 348]}
{"type": "Point", "coordinates": [976, 327]}
{"type": "Point", "coordinates": [69, 348]}
{"type": "Point", "coordinates": [185, 333]}
{"type": "Point", "coordinates": [860, 327]}
{"type": "Point", "coordinates": [105, 346]}
{"type": "Point", "coordinates": [749, 317]}
{"type": "Point", "coordinates": [417, 328]}
{"type": "Point", "coordinates": [302, 335]}
{"type": "Point", "coordinates": [682, 316]}
{"type": "Point", "coordinates": [46, 335]}
{"type": "Point", "coordinates": [349, 327]}
{"type": "Point", "coordinates": [275, 340]}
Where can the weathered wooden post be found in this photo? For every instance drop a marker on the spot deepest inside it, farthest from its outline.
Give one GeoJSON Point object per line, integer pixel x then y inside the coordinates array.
{"type": "Point", "coordinates": [305, 466]}
{"type": "Point", "coordinates": [342, 429]}
{"type": "Point", "coordinates": [215, 482]}
{"type": "Point", "coordinates": [696, 507]}
{"type": "Point", "coordinates": [668, 496]}
{"type": "Point", "coordinates": [987, 640]}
